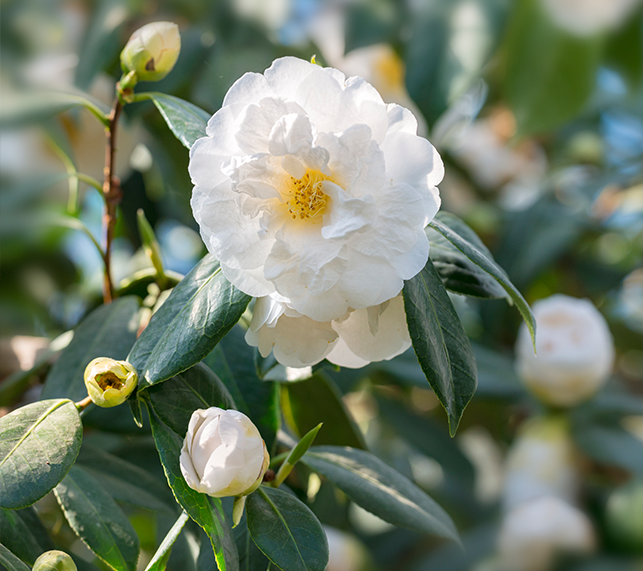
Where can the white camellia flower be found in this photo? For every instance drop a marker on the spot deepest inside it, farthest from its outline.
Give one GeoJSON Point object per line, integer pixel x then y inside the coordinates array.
{"type": "Point", "coordinates": [575, 351]}
{"type": "Point", "coordinates": [354, 340]}
{"type": "Point", "coordinates": [541, 462]}
{"type": "Point", "coordinates": [534, 532]}
{"type": "Point", "coordinates": [223, 453]}
{"type": "Point", "coordinates": [312, 191]}
{"type": "Point", "coordinates": [587, 17]}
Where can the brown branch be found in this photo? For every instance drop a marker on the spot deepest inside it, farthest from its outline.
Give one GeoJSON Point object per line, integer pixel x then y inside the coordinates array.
{"type": "Point", "coordinates": [112, 195]}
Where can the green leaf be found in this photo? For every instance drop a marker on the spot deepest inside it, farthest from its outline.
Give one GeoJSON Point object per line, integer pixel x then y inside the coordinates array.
{"type": "Point", "coordinates": [232, 360]}
{"type": "Point", "coordinates": [250, 557]}
{"type": "Point", "coordinates": [10, 561]}
{"type": "Point", "coordinates": [317, 400]}
{"type": "Point", "coordinates": [425, 435]}
{"type": "Point", "coordinates": [445, 226]}
{"type": "Point", "coordinates": [185, 120]}
{"type": "Point", "coordinates": [440, 66]}
{"type": "Point", "coordinates": [440, 343]}
{"type": "Point", "coordinates": [205, 511]}
{"type": "Point", "coordinates": [550, 73]}
{"type": "Point", "coordinates": [24, 535]}
{"type": "Point", "coordinates": [295, 455]}
{"type": "Point", "coordinates": [193, 319]}
{"type": "Point", "coordinates": [286, 531]}
{"type": "Point", "coordinates": [162, 555]}
{"type": "Point", "coordinates": [38, 445]}
{"type": "Point", "coordinates": [125, 481]}
{"type": "Point", "coordinates": [459, 274]}
{"type": "Point", "coordinates": [175, 400]}
{"type": "Point", "coordinates": [380, 490]}
{"type": "Point", "coordinates": [108, 331]}
{"type": "Point", "coordinates": [97, 520]}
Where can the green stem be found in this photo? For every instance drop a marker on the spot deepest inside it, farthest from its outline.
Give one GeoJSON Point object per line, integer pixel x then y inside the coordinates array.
{"type": "Point", "coordinates": [76, 224]}
{"type": "Point", "coordinates": [94, 110]}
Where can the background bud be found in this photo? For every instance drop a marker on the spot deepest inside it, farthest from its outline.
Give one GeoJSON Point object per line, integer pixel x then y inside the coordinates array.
{"type": "Point", "coordinates": [575, 351]}
{"type": "Point", "coordinates": [109, 382]}
{"type": "Point", "coordinates": [223, 453]}
{"type": "Point", "coordinates": [152, 51]}
{"type": "Point", "coordinates": [54, 561]}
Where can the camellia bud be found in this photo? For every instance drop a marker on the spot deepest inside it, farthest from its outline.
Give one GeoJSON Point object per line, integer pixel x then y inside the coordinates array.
{"type": "Point", "coordinates": [575, 351]}
{"type": "Point", "coordinates": [223, 453]}
{"type": "Point", "coordinates": [54, 561]}
{"type": "Point", "coordinates": [152, 51]}
{"type": "Point", "coordinates": [110, 382]}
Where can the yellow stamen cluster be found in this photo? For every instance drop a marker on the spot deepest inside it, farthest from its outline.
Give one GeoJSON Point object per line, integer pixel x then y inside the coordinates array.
{"type": "Point", "coordinates": [306, 197]}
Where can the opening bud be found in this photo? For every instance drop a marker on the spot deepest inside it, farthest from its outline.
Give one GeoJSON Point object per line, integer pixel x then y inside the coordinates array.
{"type": "Point", "coordinates": [109, 382]}
{"type": "Point", "coordinates": [152, 51]}
{"type": "Point", "coordinates": [54, 561]}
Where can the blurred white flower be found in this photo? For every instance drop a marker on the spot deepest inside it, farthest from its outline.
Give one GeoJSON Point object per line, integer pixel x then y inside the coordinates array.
{"type": "Point", "coordinates": [354, 340]}
{"type": "Point", "coordinates": [541, 462]}
{"type": "Point", "coordinates": [311, 190]}
{"type": "Point", "coordinates": [534, 532]}
{"type": "Point", "coordinates": [223, 453]}
{"type": "Point", "coordinates": [588, 17]}
{"type": "Point", "coordinates": [575, 351]}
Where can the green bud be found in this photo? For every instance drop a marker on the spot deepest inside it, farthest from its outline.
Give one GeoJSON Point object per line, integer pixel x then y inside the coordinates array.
{"type": "Point", "coordinates": [151, 51]}
{"type": "Point", "coordinates": [54, 561]}
{"type": "Point", "coordinates": [110, 382]}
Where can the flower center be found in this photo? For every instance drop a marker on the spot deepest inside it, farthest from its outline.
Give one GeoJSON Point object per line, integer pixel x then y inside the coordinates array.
{"type": "Point", "coordinates": [108, 381]}
{"type": "Point", "coordinates": [306, 199]}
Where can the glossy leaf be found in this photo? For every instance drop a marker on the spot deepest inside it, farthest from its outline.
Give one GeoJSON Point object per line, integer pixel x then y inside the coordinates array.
{"type": "Point", "coordinates": [162, 554]}
{"type": "Point", "coordinates": [10, 561]}
{"type": "Point", "coordinates": [97, 520]}
{"type": "Point", "coordinates": [125, 481]}
{"type": "Point", "coordinates": [232, 360]}
{"type": "Point", "coordinates": [317, 400]}
{"type": "Point", "coordinates": [546, 87]}
{"type": "Point", "coordinates": [380, 489]}
{"type": "Point", "coordinates": [38, 445]}
{"type": "Point", "coordinates": [440, 343]}
{"type": "Point", "coordinates": [176, 399]}
{"type": "Point", "coordinates": [194, 318]}
{"type": "Point", "coordinates": [448, 226]}
{"type": "Point", "coordinates": [23, 534]}
{"type": "Point", "coordinates": [250, 557]}
{"type": "Point", "coordinates": [185, 120]}
{"type": "Point", "coordinates": [205, 511]}
{"type": "Point", "coordinates": [286, 531]}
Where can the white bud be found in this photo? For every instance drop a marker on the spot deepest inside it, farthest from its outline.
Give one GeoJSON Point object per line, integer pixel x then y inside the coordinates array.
{"type": "Point", "coordinates": [152, 51]}
{"type": "Point", "coordinates": [541, 462]}
{"type": "Point", "coordinates": [533, 533]}
{"type": "Point", "coordinates": [223, 453]}
{"type": "Point", "coordinates": [575, 351]}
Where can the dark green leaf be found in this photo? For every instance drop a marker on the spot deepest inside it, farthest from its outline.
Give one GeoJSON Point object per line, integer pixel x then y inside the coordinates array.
{"type": "Point", "coordinates": [550, 73]}
{"type": "Point", "coordinates": [307, 403]}
{"type": "Point", "coordinates": [185, 120]}
{"type": "Point", "coordinates": [286, 531]}
{"type": "Point", "coordinates": [175, 400]}
{"type": "Point", "coordinates": [438, 72]}
{"type": "Point", "coordinates": [232, 360]}
{"type": "Point", "coordinates": [10, 561]}
{"type": "Point", "coordinates": [108, 331]}
{"type": "Point", "coordinates": [97, 520]}
{"type": "Point", "coordinates": [250, 557]}
{"type": "Point", "coordinates": [380, 490]}
{"type": "Point", "coordinates": [23, 534]}
{"type": "Point", "coordinates": [440, 342]}
{"type": "Point", "coordinates": [196, 316]}
{"type": "Point", "coordinates": [424, 434]}
{"type": "Point", "coordinates": [443, 226]}
{"type": "Point", "coordinates": [38, 445]}
{"type": "Point", "coordinates": [459, 274]}
{"type": "Point", "coordinates": [160, 558]}
{"type": "Point", "coordinates": [125, 481]}
{"type": "Point", "coordinates": [207, 512]}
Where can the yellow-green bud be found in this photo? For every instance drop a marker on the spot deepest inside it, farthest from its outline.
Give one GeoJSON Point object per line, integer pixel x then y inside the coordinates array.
{"type": "Point", "coordinates": [152, 51]}
{"type": "Point", "coordinates": [110, 382]}
{"type": "Point", "coordinates": [54, 561]}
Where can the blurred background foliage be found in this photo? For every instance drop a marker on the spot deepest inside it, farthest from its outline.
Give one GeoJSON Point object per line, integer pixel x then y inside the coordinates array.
{"type": "Point", "coordinates": [540, 124]}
